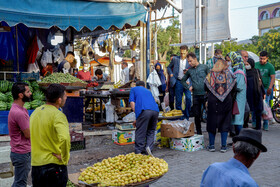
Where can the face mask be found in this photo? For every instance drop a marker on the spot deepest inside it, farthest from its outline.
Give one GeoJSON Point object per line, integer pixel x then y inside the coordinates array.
{"type": "Point", "coordinates": [158, 70]}
{"type": "Point", "coordinates": [248, 67]}
{"type": "Point", "coordinates": [85, 68]}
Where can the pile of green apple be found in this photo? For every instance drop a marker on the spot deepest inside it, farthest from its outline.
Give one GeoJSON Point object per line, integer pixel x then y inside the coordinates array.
{"type": "Point", "coordinates": [123, 170]}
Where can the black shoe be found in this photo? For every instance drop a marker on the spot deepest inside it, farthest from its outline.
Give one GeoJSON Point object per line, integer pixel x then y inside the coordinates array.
{"type": "Point", "coordinates": [230, 144]}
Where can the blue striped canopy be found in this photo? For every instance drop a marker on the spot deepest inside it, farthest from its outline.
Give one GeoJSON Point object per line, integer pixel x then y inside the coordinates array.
{"type": "Point", "coordinates": [65, 13]}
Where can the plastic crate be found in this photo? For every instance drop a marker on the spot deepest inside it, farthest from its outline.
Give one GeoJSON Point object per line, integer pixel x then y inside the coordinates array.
{"type": "Point", "coordinates": [75, 137]}
{"type": "Point", "coordinates": [78, 145]}
{"type": "Point", "coordinates": [23, 76]}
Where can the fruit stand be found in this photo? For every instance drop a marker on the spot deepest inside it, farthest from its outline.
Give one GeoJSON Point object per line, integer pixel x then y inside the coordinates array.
{"type": "Point", "coordinates": [123, 170]}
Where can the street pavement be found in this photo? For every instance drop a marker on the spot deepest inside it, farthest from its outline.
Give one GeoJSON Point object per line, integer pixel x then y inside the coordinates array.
{"type": "Point", "coordinates": [186, 168]}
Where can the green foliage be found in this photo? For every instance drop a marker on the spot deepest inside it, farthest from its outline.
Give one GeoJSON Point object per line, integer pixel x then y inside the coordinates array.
{"type": "Point", "coordinates": [229, 46]}
{"type": "Point", "coordinates": [270, 42]}
{"type": "Point", "coordinates": [127, 54]}
{"type": "Point", "coordinates": [167, 36]}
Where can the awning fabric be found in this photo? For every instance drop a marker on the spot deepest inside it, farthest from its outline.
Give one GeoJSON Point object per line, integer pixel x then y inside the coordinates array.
{"type": "Point", "coordinates": [75, 13]}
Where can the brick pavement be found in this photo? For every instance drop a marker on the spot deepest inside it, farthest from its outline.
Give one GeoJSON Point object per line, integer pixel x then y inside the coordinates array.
{"type": "Point", "coordinates": [186, 169]}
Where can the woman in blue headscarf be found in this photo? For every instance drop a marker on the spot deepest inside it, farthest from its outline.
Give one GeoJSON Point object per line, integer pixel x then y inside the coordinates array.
{"type": "Point", "coordinates": [238, 69]}
{"type": "Point", "coordinates": [162, 78]}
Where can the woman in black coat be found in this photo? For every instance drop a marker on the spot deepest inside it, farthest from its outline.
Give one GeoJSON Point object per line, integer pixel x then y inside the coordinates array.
{"type": "Point", "coordinates": [255, 91]}
{"type": "Point", "coordinates": [220, 85]}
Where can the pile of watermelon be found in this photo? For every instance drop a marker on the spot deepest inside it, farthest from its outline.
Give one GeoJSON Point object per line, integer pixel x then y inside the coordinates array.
{"type": "Point", "coordinates": [6, 97]}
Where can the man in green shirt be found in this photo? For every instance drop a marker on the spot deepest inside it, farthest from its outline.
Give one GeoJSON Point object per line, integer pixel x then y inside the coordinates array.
{"type": "Point", "coordinates": [268, 78]}
{"type": "Point", "coordinates": [197, 73]}
{"type": "Point", "coordinates": [50, 140]}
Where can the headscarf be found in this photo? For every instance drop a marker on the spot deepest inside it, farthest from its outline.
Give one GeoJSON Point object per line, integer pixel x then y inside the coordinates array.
{"type": "Point", "coordinates": [161, 76]}
{"type": "Point", "coordinates": [236, 62]}
{"type": "Point", "coordinates": [220, 80]}
{"type": "Point", "coordinates": [253, 72]}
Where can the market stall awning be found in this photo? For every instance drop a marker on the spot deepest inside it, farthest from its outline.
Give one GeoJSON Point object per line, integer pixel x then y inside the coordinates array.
{"type": "Point", "coordinates": [75, 13]}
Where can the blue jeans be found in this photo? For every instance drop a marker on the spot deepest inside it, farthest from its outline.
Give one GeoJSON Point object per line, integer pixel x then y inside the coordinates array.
{"type": "Point", "coordinates": [22, 164]}
{"type": "Point", "coordinates": [179, 90]}
{"type": "Point", "coordinates": [223, 138]}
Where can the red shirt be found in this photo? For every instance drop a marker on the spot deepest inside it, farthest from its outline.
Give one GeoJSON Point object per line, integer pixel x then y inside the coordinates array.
{"type": "Point", "coordinates": [85, 76]}
{"type": "Point", "coordinates": [18, 121]}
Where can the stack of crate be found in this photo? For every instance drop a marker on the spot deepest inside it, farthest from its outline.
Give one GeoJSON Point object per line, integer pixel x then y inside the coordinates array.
{"type": "Point", "coordinates": [78, 142]}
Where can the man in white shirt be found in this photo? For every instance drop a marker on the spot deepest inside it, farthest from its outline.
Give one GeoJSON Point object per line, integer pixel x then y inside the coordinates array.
{"type": "Point", "coordinates": [177, 68]}
{"type": "Point", "coordinates": [124, 73]}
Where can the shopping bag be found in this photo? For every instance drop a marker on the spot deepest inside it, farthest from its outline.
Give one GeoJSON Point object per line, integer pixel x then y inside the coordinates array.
{"type": "Point", "coordinates": [267, 114]}
{"type": "Point", "coordinates": [166, 99]}
{"type": "Point", "coordinates": [235, 109]}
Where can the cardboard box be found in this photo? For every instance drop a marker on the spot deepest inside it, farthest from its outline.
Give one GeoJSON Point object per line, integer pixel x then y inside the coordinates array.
{"type": "Point", "coordinates": [190, 144]}
{"type": "Point", "coordinates": [168, 131]}
{"type": "Point", "coordinates": [123, 137]}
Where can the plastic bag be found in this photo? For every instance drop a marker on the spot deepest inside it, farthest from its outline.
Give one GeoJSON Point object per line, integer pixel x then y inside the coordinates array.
{"type": "Point", "coordinates": [267, 114]}
{"type": "Point", "coordinates": [180, 125]}
{"type": "Point", "coordinates": [33, 67]}
{"type": "Point", "coordinates": [129, 117]}
{"type": "Point", "coordinates": [58, 55]}
{"type": "Point", "coordinates": [110, 112]}
{"type": "Point", "coordinates": [166, 99]}
{"type": "Point", "coordinates": [46, 58]}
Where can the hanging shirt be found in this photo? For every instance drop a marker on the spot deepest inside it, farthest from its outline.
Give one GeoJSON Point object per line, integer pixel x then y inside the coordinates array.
{"type": "Point", "coordinates": [125, 75]}
{"type": "Point", "coordinates": [230, 173]}
{"type": "Point", "coordinates": [181, 68]}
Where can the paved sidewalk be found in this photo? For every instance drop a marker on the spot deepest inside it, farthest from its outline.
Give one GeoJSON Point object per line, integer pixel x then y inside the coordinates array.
{"type": "Point", "coordinates": [186, 169]}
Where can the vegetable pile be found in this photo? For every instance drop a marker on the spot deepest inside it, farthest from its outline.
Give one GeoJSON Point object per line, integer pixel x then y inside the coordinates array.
{"type": "Point", "coordinates": [61, 78]}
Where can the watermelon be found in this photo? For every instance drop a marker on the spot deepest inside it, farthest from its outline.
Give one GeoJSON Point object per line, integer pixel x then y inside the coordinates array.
{"type": "Point", "coordinates": [9, 105]}
{"type": "Point", "coordinates": [36, 103]}
{"type": "Point", "coordinates": [35, 85]}
{"type": "Point", "coordinates": [4, 86]}
{"type": "Point", "coordinates": [3, 97]}
{"type": "Point", "coordinates": [27, 105]}
{"type": "Point", "coordinates": [10, 86]}
{"type": "Point", "coordinates": [9, 97]}
{"type": "Point", "coordinates": [3, 105]}
{"type": "Point", "coordinates": [38, 95]}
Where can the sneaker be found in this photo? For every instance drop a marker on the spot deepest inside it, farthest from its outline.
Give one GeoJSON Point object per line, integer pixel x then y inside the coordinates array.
{"type": "Point", "coordinates": [223, 149]}
{"type": "Point", "coordinates": [211, 148]}
{"type": "Point", "coordinates": [253, 124]}
{"type": "Point", "coordinates": [265, 126]}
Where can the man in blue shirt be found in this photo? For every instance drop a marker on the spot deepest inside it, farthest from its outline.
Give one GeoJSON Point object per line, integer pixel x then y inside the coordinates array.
{"type": "Point", "coordinates": [247, 147]}
{"type": "Point", "coordinates": [146, 109]}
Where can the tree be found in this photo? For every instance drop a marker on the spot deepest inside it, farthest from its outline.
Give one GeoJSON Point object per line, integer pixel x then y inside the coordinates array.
{"type": "Point", "coordinates": [270, 42]}
{"type": "Point", "coordinates": [165, 37]}
{"type": "Point", "coordinates": [229, 46]}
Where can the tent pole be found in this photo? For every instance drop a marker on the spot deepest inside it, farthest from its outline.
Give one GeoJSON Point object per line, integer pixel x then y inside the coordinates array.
{"type": "Point", "coordinates": [17, 48]}
{"type": "Point", "coordinates": [148, 49]}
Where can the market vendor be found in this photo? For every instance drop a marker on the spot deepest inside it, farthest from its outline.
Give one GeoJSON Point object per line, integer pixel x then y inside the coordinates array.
{"type": "Point", "coordinates": [65, 65]}
{"type": "Point", "coordinates": [124, 73]}
{"type": "Point", "coordinates": [84, 74]}
{"type": "Point", "coordinates": [146, 109]}
{"type": "Point", "coordinates": [100, 76]}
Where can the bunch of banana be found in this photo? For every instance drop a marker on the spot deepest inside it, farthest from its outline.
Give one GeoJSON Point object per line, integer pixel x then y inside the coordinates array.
{"type": "Point", "coordinates": [173, 113]}
{"type": "Point", "coordinates": [118, 84]}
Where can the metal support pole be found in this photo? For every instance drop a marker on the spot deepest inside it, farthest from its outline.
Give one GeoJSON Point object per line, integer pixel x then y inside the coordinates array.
{"type": "Point", "coordinates": [148, 45]}
{"type": "Point", "coordinates": [17, 48]}
{"type": "Point", "coordinates": [200, 29]}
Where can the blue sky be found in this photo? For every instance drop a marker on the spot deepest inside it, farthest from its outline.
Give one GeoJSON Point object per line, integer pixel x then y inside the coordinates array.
{"type": "Point", "coordinates": [244, 17]}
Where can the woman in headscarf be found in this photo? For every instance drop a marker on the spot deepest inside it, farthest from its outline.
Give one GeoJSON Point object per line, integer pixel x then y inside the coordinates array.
{"type": "Point", "coordinates": [162, 78]}
{"type": "Point", "coordinates": [255, 91]}
{"type": "Point", "coordinates": [220, 86]}
{"type": "Point", "coordinates": [238, 70]}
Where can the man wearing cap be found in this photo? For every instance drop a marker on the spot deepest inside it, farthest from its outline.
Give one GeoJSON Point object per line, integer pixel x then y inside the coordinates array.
{"type": "Point", "coordinates": [247, 147]}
